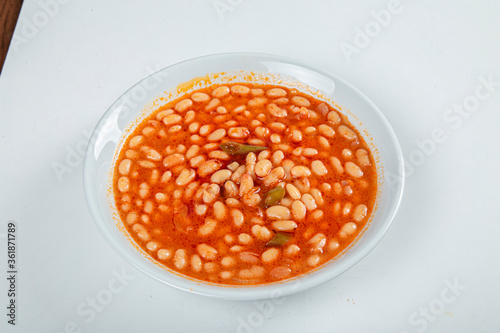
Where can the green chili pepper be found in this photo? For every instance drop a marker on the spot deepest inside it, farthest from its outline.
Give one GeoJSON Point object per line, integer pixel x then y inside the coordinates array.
{"type": "Point", "coordinates": [235, 148]}
{"type": "Point", "coordinates": [279, 239]}
{"type": "Point", "coordinates": [272, 197]}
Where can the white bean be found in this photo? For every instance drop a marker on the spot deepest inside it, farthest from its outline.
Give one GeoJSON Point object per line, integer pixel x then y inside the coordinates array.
{"type": "Point", "coordinates": [252, 273]}
{"type": "Point", "coordinates": [347, 230]}
{"type": "Point", "coordinates": [173, 160]}
{"type": "Point", "coordinates": [323, 108]}
{"type": "Point", "coordinates": [164, 254]}
{"type": "Point", "coordinates": [310, 130]}
{"type": "Point", "coordinates": [238, 217]}
{"type": "Point", "coordinates": [270, 255]}
{"type": "Point", "coordinates": [347, 208]}
{"type": "Point", "coordinates": [297, 151]}
{"type": "Point", "coordinates": [240, 89]}
{"type": "Point", "coordinates": [309, 201]}
{"type": "Point", "coordinates": [231, 189]}
{"type": "Point", "coordinates": [207, 252]}
{"type": "Point", "coordinates": [278, 156]}
{"type": "Point", "coordinates": [262, 132]}
{"type": "Point", "coordinates": [123, 184]}
{"type": "Point", "coordinates": [167, 175]}
{"type": "Point", "coordinates": [132, 218]}
{"type": "Point", "coordinates": [360, 213]}
{"type": "Point", "coordinates": [337, 164]}
{"type": "Point", "coordinates": [209, 167]}
{"type": "Point", "coordinates": [318, 168]}
{"type": "Point", "coordinates": [287, 202]}
{"type": "Point", "coordinates": [196, 161]}
{"type": "Point", "coordinates": [220, 210]}
{"type": "Point", "coordinates": [299, 210]}
{"type": "Point", "coordinates": [180, 259]}
{"type": "Point", "coordinates": [249, 257]}
{"type": "Point", "coordinates": [292, 250]}
{"type": "Point", "coordinates": [172, 119]}
{"type": "Point", "coordinates": [333, 117]}
{"type": "Point", "coordinates": [317, 242]}
{"type": "Point", "coordinates": [200, 97]}
{"type": "Point", "coordinates": [293, 192]}
{"type": "Point", "coordinates": [285, 225]}
{"type": "Point", "coordinates": [274, 177]}
{"type": "Point", "coordinates": [189, 117]}
{"type": "Point", "coordinates": [317, 214]}
{"type": "Point", "coordinates": [346, 132]}
{"type": "Point", "coordinates": [148, 207]}
{"type": "Point", "coordinates": [228, 261]}
{"type": "Point", "coordinates": [210, 146]}
{"type": "Point", "coordinates": [276, 93]}
{"type": "Point", "coordinates": [309, 152]}
{"type": "Point", "coordinates": [143, 190]}
{"type": "Point", "coordinates": [313, 260]}
{"type": "Point", "coordinates": [183, 105]}
{"type": "Point", "coordinates": [236, 176]}
{"type": "Point", "coordinates": [246, 184]}
{"type": "Point", "coordinates": [323, 142]}
{"type": "Point", "coordinates": [276, 111]}
{"type": "Point", "coordinates": [200, 210]}
{"type": "Point", "coordinates": [363, 158]}
{"type": "Point", "coordinates": [238, 132]}
{"type": "Point", "coordinates": [210, 267]}
{"type": "Point", "coordinates": [208, 227]}
{"type": "Point", "coordinates": [296, 136]}
{"type": "Point", "coordinates": [347, 154]}
{"type": "Point", "coordinates": [124, 166]}
{"type": "Point", "coordinates": [219, 177]}
{"type": "Point", "coordinates": [147, 164]}
{"type": "Point", "coordinates": [206, 129]}
{"type": "Point", "coordinates": [251, 199]}
{"type": "Point", "coordinates": [220, 92]}
{"type": "Point", "coordinates": [208, 197]}
{"type": "Point", "coordinates": [275, 138]}
{"type": "Point", "coordinates": [300, 171]}
{"type": "Point", "coordinates": [217, 135]}
{"type": "Point", "coordinates": [300, 101]}
{"type": "Point", "coordinates": [280, 272]}
{"type": "Point", "coordinates": [185, 177]}
{"type": "Point", "coordinates": [257, 92]}
{"type": "Point", "coordinates": [196, 263]}
{"type": "Point", "coordinates": [175, 129]}
{"type": "Point", "coordinates": [192, 151]}
{"type": "Point", "coordinates": [132, 154]}
{"type": "Point", "coordinates": [233, 166]}
{"type": "Point", "coordinates": [194, 127]}
{"type": "Point", "coordinates": [231, 202]}
{"type": "Point", "coordinates": [262, 233]}
{"type": "Point", "coordinates": [318, 197]}
{"type": "Point", "coordinates": [263, 155]}
{"type": "Point", "coordinates": [263, 167]}
{"type": "Point", "coordinates": [257, 101]}
{"type": "Point", "coordinates": [136, 141]}
{"type": "Point", "coordinates": [326, 130]}
{"type": "Point", "coordinates": [353, 170]}
{"type": "Point", "coordinates": [245, 239]}
{"type": "Point", "coordinates": [333, 245]}
{"type": "Point", "coordinates": [278, 213]}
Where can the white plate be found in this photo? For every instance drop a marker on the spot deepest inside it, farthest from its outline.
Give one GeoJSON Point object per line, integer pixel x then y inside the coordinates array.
{"type": "Point", "coordinates": [142, 99]}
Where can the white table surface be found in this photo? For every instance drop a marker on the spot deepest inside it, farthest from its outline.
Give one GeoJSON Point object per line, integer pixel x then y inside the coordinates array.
{"type": "Point", "coordinates": [436, 270]}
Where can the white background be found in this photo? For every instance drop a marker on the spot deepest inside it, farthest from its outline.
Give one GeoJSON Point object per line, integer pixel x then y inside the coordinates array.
{"type": "Point", "coordinates": [68, 63]}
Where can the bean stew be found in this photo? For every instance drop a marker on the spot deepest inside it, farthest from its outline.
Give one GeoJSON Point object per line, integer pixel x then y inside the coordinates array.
{"type": "Point", "coordinates": [244, 184]}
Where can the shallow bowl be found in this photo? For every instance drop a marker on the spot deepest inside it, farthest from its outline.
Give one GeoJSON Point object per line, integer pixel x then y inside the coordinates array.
{"type": "Point", "coordinates": [173, 81]}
